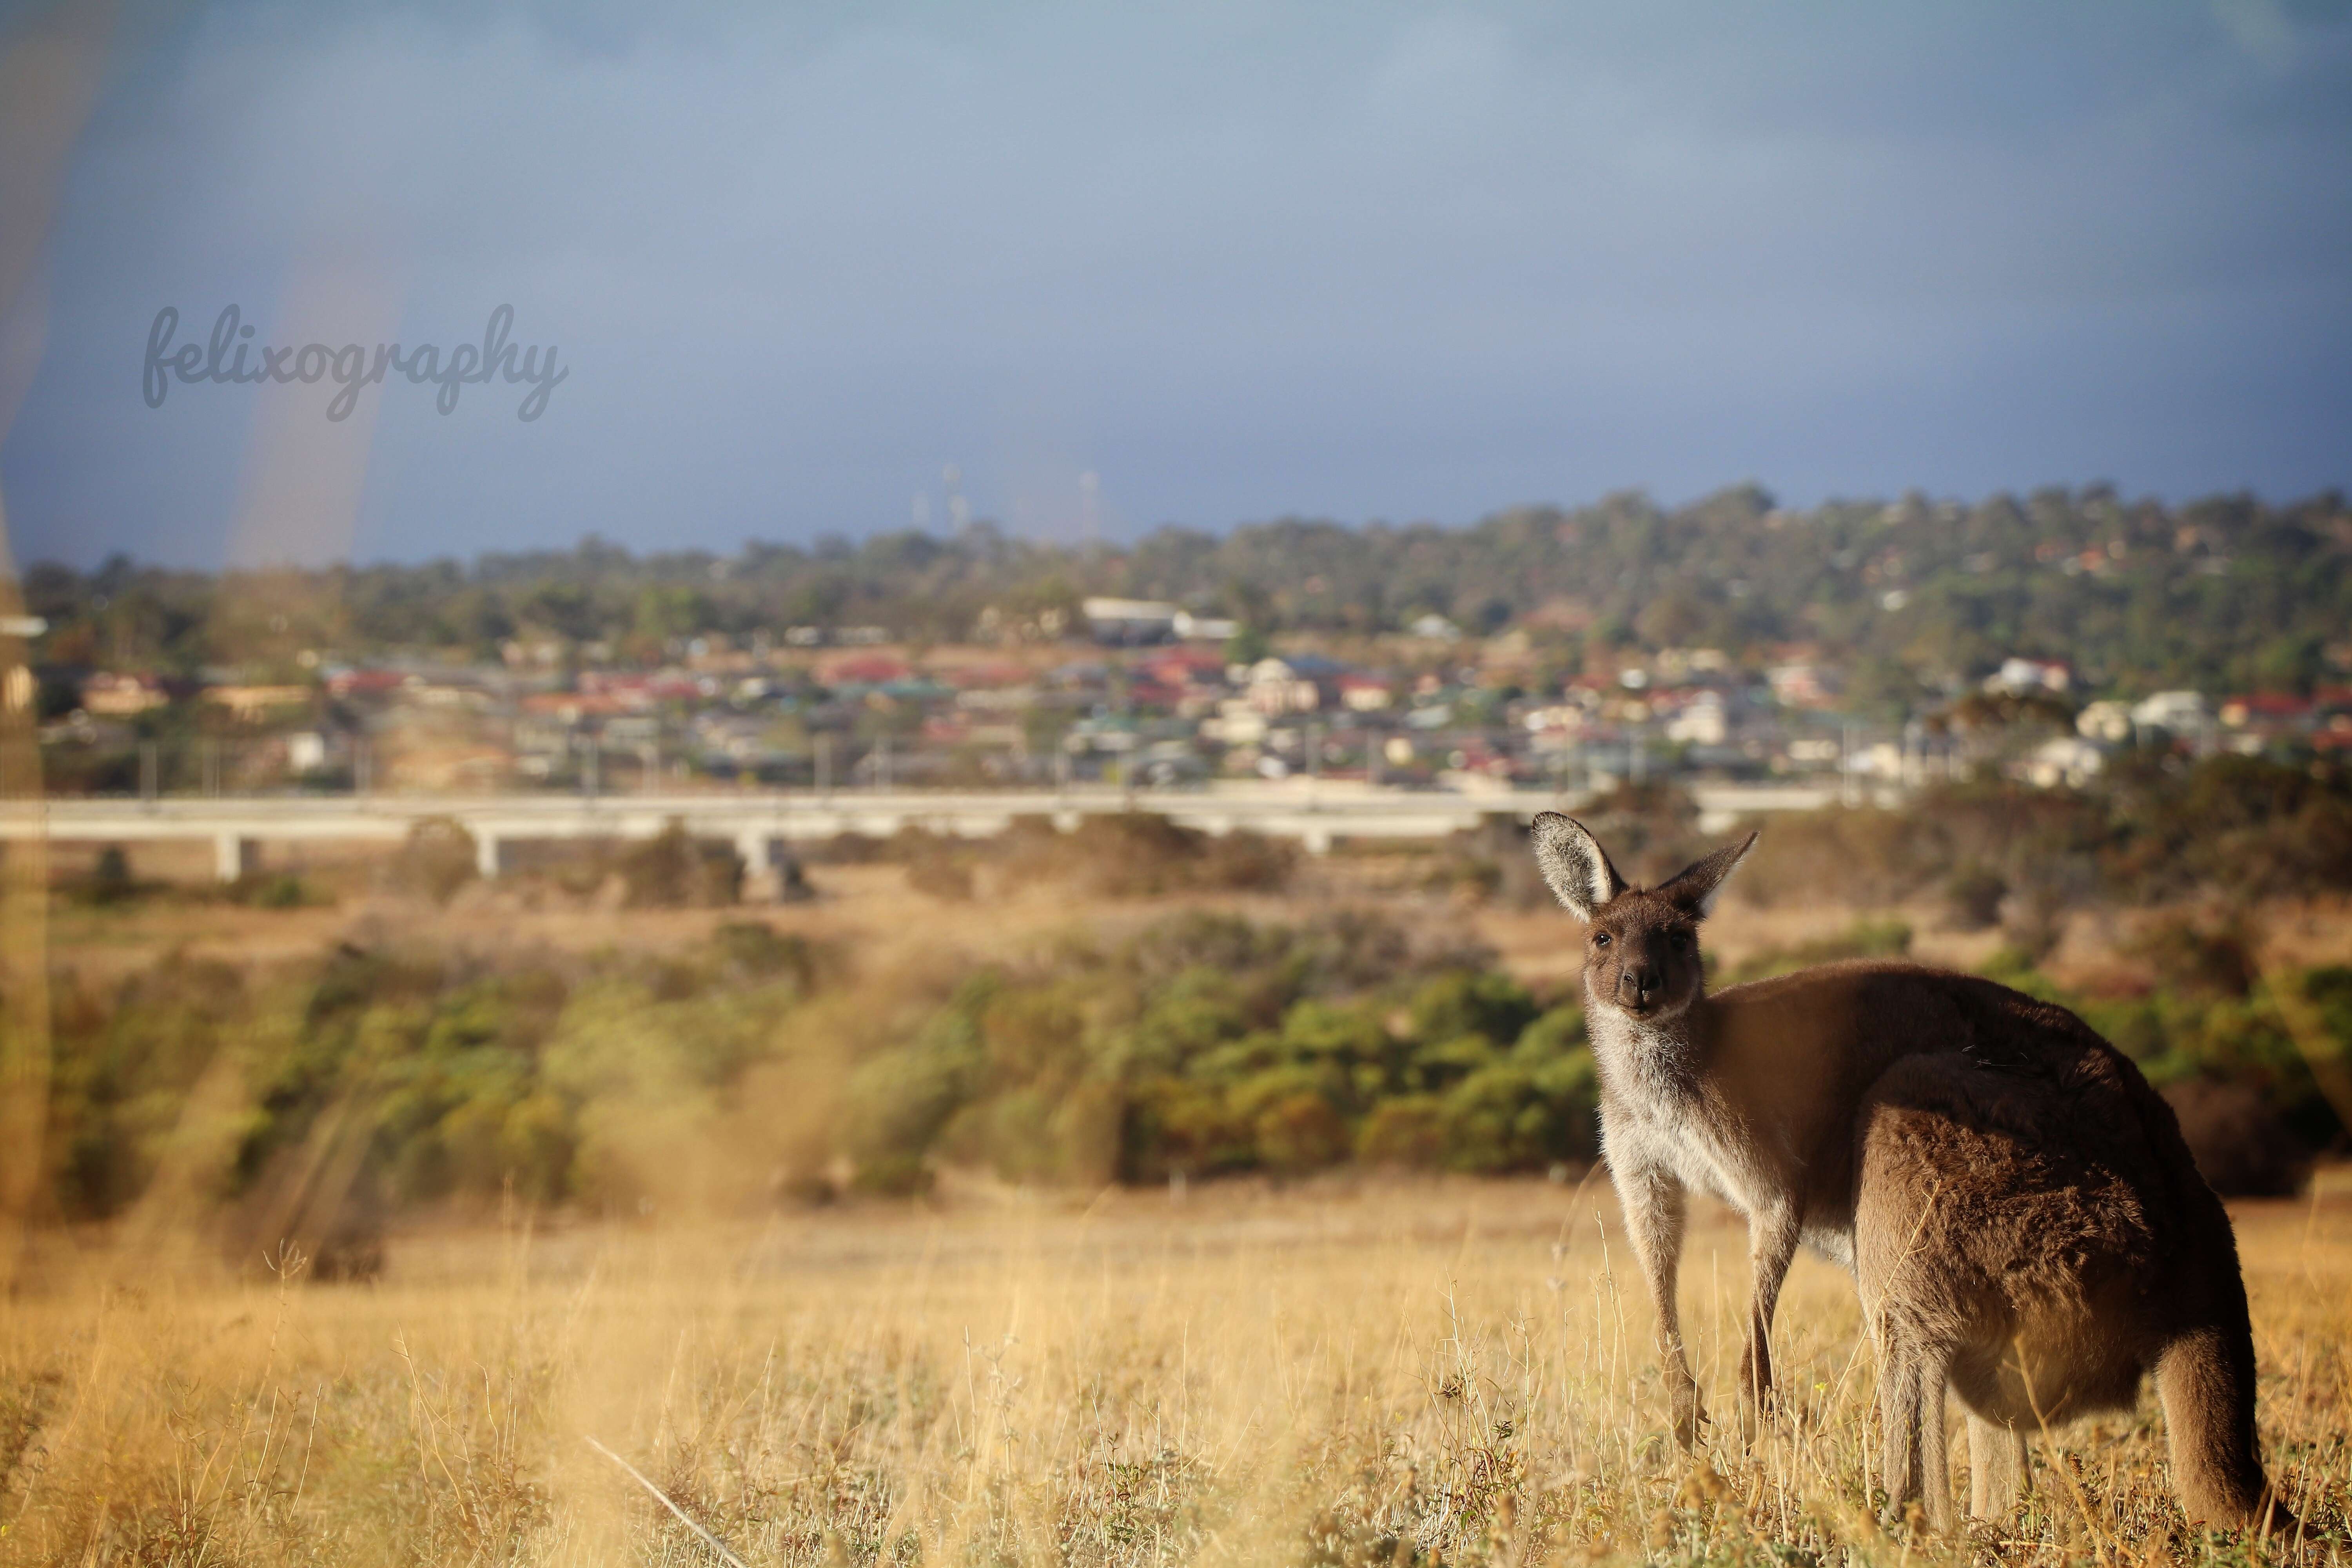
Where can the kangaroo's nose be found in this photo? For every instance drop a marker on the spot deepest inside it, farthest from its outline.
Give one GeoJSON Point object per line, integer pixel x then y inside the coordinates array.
{"type": "Point", "coordinates": [1637, 985]}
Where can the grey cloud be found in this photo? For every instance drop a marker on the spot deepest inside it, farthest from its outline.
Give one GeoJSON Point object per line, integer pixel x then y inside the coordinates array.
{"type": "Point", "coordinates": [1240, 260]}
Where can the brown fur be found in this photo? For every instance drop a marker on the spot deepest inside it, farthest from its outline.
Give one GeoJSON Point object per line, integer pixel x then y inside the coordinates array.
{"type": "Point", "coordinates": [2023, 1221]}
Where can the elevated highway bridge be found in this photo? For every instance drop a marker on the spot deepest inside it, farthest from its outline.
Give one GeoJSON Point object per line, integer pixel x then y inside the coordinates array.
{"type": "Point", "coordinates": [764, 825]}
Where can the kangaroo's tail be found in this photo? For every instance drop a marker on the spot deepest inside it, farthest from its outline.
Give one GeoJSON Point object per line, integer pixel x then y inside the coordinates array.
{"type": "Point", "coordinates": [2207, 1380]}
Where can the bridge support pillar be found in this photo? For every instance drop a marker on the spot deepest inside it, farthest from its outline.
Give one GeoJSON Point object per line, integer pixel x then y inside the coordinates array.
{"type": "Point", "coordinates": [235, 855]}
{"type": "Point", "coordinates": [762, 854]}
{"type": "Point", "coordinates": [489, 853]}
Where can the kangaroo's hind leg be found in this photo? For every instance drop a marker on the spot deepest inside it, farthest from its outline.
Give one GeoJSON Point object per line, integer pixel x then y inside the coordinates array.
{"type": "Point", "coordinates": [1898, 1424]}
{"type": "Point", "coordinates": [1996, 1468]}
{"type": "Point", "coordinates": [1911, 1410]}
{"type": "Point", "coordinates": [1935, 1462]}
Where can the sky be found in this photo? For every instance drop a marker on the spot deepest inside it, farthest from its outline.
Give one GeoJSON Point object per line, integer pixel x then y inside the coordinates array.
{"type": "Point", "coordinates": [1088, 269]}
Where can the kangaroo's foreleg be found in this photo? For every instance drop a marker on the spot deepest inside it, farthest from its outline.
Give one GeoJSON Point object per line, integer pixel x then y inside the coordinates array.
{"type": "Point", "coordinates": [1772, 1235]}
{"type": "Point", "coordinates": [1654, 1206]}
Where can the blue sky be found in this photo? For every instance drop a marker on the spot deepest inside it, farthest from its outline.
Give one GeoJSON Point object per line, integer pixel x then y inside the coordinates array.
{"type": "Point", "coordinates": [1232, 261]}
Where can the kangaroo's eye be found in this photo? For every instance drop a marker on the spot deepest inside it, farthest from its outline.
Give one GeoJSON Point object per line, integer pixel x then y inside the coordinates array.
{"type": "Point", "coordinates": [1600, 939]}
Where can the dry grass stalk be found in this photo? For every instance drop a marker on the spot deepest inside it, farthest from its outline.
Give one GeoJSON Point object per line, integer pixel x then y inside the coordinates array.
{"type": "Point", "coordinates": [1354, 1374]}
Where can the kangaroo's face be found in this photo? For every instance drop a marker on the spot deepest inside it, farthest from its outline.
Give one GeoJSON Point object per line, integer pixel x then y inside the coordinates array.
{"type": "Point", "coordinates": [1641, 956]}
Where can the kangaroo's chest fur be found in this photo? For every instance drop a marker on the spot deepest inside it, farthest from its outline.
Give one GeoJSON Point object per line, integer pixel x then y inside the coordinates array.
{"type": "Point", "coordinates": [1660, 1112]}
{"type": "Point", "coordinates": [1755, 1114]}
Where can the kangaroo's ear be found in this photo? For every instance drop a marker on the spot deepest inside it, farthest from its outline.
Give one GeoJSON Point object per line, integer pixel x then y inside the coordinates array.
{"type": "Point", "coordinates": [1575, 865]}
{"type": "Point", "coordinates": [1694, 887]}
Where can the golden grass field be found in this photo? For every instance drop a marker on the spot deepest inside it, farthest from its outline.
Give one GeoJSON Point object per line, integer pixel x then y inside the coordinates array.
{"type": "Point", "coordinates": [1353, 1370]}
{"type": "Point", "coordinates": [1362, 1371]}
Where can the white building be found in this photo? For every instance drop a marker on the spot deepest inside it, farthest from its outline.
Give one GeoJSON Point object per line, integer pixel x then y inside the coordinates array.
{"type": "Point", "coordinates": [1130, 620]}
{"type": "Point", "coordinates": [1285, 686]}
{"type": "Point", "coordinates": [2063, 760]}
{"type": "Point", "coordinates": [2181, 712]}
{"type": "Point", "coordinates": [2105, 719]}
{"type": "Point", "coordinates": [2020, 676]}
{"type": "Point", "coordinates": [1703, 720]}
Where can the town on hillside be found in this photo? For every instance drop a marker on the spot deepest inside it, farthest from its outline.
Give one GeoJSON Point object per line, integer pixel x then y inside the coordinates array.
{"type": "Point", "coordinates": [1731, 640]}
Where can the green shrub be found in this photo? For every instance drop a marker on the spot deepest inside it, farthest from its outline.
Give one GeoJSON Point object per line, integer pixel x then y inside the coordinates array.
{"type": "Point", "coordinates": [1482, 1001]}
{"type": "Point", "coordinates": [1975, 893]}
{"type": "Point", "coordinates": [1135, 855]}
{"type": "Point", "coordinates": [2213, 956]}
{"type": "Point", "coordinates": [1179, 1125]}
{"type": "Point", "coordinates": [937, 864]}
{"type": "Point", "coordinates": [1558, 1033]}
{"type": "Point", "coordinates": [674, 870]}
{"type": "Point", "coordinates": [1201, 1045]}
{"type": "Point", "coordinates": [125, 1061]}
{"type": "Point", "coordinates": [893, 1177]}
{"type": "Point", "coordinates": [436, 860]}
{"type": "Point", "coordinates": [1441, 1064]}
{"type": "Point", "coordinates": [1300, 1132]}
{"type": "Point", "coordinates": [1537, 1106]}
{"type": "Point", "coordinates": [2147, 830]}
{"type": "Point", "coordinates": [271, 890]}
{"type": "Point", "coordinates": [110, 881]}
{"type": "Point", "coordinates": [755, 950]}
{"type": "Point", "coordinates": [1179, 1020]}
{"type": "Point", "coordinates": [1012, 1134]}
{"type": "Point", "coordinates": [1408, 1129]}
{"type": "Point", "coordinates": [2243, 1146]}
{"type": "Point", "coordinates": [897, 1102]}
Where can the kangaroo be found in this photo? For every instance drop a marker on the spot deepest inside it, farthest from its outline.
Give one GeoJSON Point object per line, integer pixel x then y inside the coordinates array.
{"type": "Point", "coordinates": [2023, 1222]}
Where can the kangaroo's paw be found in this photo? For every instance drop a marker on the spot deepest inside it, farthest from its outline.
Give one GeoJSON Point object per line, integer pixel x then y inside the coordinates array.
{"type": "Point", "coordinates": [1757, 1412]}
{"type": "Point", "coordinates": [1758, 1403]}
{"type": "Point", "coordinates": [1689, 1415]}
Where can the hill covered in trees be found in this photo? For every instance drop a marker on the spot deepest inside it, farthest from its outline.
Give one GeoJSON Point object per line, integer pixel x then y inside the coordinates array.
{"type": "Point", "coordinates": [1913, 597]}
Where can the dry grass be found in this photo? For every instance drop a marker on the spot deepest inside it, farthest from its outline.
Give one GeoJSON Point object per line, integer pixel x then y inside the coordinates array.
{"type": "Point", "coordinates": [1352, 1373]}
